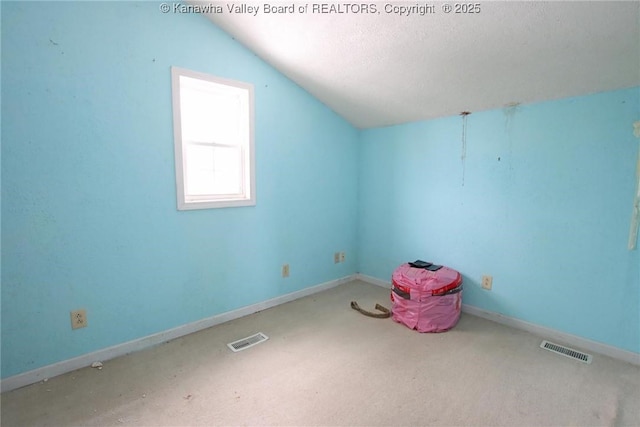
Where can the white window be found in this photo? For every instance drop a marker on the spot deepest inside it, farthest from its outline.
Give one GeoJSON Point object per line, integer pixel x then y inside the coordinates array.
{"type": "Point", "coordinates": [214, 148]}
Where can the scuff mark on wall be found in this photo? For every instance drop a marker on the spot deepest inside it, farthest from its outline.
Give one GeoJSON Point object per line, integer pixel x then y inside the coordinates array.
{"type": "Point", "coordinates": [510, 111]}
{"type": "Point", "coordinates": [635, 215]}
{"type": "Point", "coordinates": [463, 155]}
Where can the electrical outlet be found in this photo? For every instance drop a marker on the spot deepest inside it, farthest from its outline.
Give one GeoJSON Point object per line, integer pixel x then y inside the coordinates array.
{"type": "Point", "coordinates": [285, 270]}
{"type": "Point", "coordinates": [336, 257]}
{"type": "Point", "coordinates": [342, 256]}
{"type": "Point", "coordinates": [78, 319]}
{"type": "Point", "coordinates": [487, 282]}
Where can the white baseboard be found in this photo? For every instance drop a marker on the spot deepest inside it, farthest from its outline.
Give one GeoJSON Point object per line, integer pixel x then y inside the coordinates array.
{"type": "Point", "coordinates": [541, 331]}
{"type": "Point", "coordinates": [85, 360]}
{"type": "Point", "coordinates": [552, 334]}
{"type": "Point", "coordinates": [373, 280]}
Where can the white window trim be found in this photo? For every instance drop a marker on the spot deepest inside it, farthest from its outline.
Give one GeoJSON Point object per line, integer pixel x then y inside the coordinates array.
{"type": "Point", "coordinates": [221, 201]}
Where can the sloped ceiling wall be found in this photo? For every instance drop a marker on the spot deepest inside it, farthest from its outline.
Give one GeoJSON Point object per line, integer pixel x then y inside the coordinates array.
{"type": "Point", "coordinates": [383, 65]}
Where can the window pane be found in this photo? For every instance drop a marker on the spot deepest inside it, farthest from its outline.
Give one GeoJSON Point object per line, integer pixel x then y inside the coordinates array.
{"type": "Point", "coordinates": [212, 115]}
{"type": "Point", "coordinates": [213, 170]}
{"type": "Point", "coordinates": [227, 164]}
{"type": "Point", "coordinates": [199, 170]}
{"type": "Point", "coordinates": [213, 125]}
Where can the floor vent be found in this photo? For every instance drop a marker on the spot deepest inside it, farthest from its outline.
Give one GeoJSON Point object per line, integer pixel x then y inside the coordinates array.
{"type": "Point", "coordinates": [247, 342]}
{"type": "Point", "coordinates": [566, 351]}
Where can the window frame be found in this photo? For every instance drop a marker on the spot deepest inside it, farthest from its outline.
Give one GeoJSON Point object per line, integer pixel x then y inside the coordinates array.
{"type": "Point", "coordinates": [213, 201]}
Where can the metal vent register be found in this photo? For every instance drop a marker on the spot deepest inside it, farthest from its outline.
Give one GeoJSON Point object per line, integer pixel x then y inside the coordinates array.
{"type": "Point", "coordinates": [566, 351]}
{"type": "Point", "coordinates": [247, 342]}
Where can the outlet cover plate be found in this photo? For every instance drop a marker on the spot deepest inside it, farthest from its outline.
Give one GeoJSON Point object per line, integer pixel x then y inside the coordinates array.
{"type": "Point", "coordinates": [78, 319]}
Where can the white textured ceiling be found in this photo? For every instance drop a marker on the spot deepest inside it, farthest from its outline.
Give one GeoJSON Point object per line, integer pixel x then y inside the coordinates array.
{"type": "Point", "coordinates": [382, 69]}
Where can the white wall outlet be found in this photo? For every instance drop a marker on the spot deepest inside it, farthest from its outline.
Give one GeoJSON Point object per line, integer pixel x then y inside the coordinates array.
{"type": "Point", "coordinates": [342, 256]}
{"type": "Point", "coordinates": [285, 270]}
{"type": "Point", "coordinates": [78, 319]}
{"type": "Point", "coordinates": [336, 257]}
{"type": "Point", "coordinates": [487, 282]}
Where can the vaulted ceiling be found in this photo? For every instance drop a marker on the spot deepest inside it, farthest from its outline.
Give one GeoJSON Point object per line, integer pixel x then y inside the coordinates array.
{"type": "Point", "coordinates": [394, 65]}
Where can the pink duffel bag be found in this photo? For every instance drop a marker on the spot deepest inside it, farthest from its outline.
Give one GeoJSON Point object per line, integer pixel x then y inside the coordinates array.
{"type": "Point", "coordinates": [426, 297]}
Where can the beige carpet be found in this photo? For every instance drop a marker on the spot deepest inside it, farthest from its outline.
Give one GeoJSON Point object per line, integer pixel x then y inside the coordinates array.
{"type": "Point", "coordinates": [326, 364]}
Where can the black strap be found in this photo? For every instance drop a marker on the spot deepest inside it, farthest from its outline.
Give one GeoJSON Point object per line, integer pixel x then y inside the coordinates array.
{"type": "Point", "coordinates": [424, 264]}
{"type": "Point", "coordinates": [420, 264]}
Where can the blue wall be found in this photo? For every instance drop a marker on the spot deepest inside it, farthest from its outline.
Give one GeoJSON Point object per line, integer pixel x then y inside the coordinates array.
{"type": "Point", "coordinates": [89, 216]}
{"type": "Point", "coordinates": [542, 202]}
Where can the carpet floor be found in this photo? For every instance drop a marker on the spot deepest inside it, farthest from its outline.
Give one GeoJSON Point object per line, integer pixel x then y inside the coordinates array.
{"type": "Point", "coordinates": [325, 364]}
